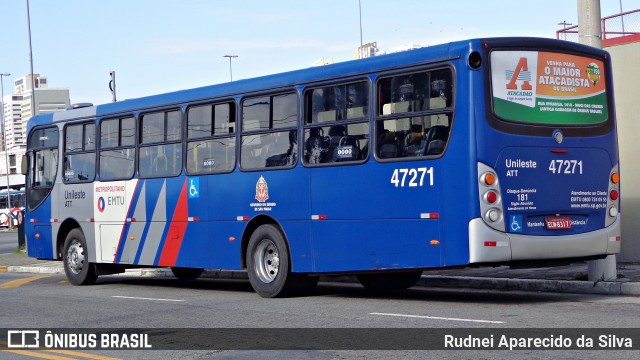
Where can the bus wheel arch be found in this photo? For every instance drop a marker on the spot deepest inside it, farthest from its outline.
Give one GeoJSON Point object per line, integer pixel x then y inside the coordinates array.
{"type": "Point", "coordinates": [251, 227]}
{"type": "Point", "coordinates": [65, 228]}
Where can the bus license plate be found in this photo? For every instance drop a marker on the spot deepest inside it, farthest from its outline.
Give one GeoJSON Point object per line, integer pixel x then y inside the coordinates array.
{"type": "Point", "coordinates": [558, 223]}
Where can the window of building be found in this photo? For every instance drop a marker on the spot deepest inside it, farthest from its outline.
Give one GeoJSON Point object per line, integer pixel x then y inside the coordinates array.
{"type": "Point", "coordinates": [160, 144]}
{"type": "Point", "coordinates": [336, 124]}
{"type": "Point", "coordinates": [79, 153]}
{"type": "Point", "coordinates": [269, 131]}
{"type": "Point", "coordinates": [117, 148]}
{"type": "Point", "coordinates": [211, 145]}
{"type": "Point", "coordinates": [414, 114]}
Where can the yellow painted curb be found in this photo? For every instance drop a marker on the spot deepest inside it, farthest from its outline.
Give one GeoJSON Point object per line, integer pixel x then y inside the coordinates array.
{"type": "Point", "coordinates": [3, 268]}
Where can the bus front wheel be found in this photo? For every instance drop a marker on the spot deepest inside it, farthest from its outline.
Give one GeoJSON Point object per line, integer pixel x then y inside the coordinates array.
{"type": "Point", "coordinates": [269, 266]}
{"type": "Point", "coordinates": [75, 256]}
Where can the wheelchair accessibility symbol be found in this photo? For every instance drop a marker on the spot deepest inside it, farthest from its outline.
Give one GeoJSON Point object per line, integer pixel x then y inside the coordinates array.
{"type": "Point", "coordinates": [194, 188]}
{"type": "Point", "coordinates": [515, 223]}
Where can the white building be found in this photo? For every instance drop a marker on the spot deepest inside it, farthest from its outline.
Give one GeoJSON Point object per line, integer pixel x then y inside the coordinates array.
{"type": "Point", "coordinates": [18, 109]}
{"type": "Point", "coordinates": [367, 50]}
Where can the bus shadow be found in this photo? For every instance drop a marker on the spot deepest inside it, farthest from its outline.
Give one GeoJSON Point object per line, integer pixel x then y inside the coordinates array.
{"type": "Point", "coordinates": [448, 295]}
{"type": "Point", "coordinates": [356, 291]}
{"type": "Point", "coordinates": [238, 285]}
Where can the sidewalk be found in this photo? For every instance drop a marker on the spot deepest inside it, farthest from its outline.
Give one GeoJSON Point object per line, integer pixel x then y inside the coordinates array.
{"type": "Point", "coordinates": [564, 279]}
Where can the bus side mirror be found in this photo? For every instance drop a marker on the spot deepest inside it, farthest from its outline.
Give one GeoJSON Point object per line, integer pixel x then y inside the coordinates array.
{"type": "Point", "coordinates": [25, 164]}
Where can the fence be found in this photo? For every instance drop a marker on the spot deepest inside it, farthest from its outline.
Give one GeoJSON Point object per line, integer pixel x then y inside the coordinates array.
{"type": "Point", "coordinates": [616, 29]}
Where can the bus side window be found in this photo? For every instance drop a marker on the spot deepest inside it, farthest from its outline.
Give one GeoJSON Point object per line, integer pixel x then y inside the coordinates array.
{"type": "Point", "coordinates": [211, 145]}
{"type": "Point", "coordinates": [117, 150]}
{"type": "Point", "coordinates": [414, 114]}
{"type": "Point", "coordinates": [269, 131]}
{"type": "Point", "coordinates": [336, 124]}
{"type": "Point", "coordinates": [46, 167]}
{"type": "Point", "coordinates": [160, 144]}
{"type": "Point", "coordinates": [79, 155]}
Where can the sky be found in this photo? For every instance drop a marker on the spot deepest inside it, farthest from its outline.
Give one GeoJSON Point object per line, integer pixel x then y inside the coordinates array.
{"type": "Point", "coordinates": [159, 46]}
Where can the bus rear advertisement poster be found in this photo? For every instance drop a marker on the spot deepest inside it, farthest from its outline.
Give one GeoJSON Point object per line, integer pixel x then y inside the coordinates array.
{"type": "Point", "coordinates": [548, 87]}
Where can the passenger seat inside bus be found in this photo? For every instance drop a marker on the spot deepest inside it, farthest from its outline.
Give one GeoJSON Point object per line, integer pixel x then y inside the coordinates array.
{"type": "Point", "coordinates": [437, 139]}
{"type": "Point", "coordinates": [387, 145]}
{"type": "Point", "coordinates": [414, 143]}
{"type": "Point", "coordinates": [160, 165]}
{"type": "Point", "coordinates": [348, 149]}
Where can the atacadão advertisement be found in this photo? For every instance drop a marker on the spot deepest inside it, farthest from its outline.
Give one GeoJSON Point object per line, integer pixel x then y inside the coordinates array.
{"type": "Point", "coordinates": [548, 88]}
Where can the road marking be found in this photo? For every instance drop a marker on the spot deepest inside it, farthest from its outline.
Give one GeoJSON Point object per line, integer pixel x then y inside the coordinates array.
{"type": "Point", "coordinates": [144, 298]}
{"type": "Point", "coordinates": [439, 318]}
{"type": "Point", "coordinates": [20, 282]}
{"type": "Point", "coordinates": [37, 355]}
{"type": "Point", "coordinates": [75, 354]}
{"type": "Point", "coordinates": [4, 268]}
{"type": "Point", "coordinates": [83, 355]}
{"type": "Point", "coordinates": [43, 355]}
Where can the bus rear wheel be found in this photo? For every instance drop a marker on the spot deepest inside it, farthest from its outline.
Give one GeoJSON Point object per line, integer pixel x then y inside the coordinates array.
{"type": "Point", "coordinates": [75, 256]}
{"type": "Point", "coordinates": [269, 266]}
{"type": "Point", "coordinates": [383, 282]}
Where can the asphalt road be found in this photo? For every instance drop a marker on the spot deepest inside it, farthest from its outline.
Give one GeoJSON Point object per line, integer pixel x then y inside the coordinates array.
{"type": "Point", "coordinates": [129, 302]}
{"type": "Point", "coordinates": [8, 241]}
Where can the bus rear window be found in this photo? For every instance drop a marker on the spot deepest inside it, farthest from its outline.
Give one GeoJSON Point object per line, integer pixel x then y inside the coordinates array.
{"type": "Point", "coordinates": [547, 88]}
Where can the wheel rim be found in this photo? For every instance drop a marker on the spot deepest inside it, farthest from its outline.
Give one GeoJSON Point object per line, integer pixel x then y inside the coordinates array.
{"type": "Point", "coordinates": [267, 260]}
{"type": "Point", "coordinates": [75, 257]}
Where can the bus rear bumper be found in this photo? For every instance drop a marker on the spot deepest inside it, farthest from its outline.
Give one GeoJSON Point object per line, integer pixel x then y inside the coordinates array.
{"type": "Point", "coordinates": [487, 245]}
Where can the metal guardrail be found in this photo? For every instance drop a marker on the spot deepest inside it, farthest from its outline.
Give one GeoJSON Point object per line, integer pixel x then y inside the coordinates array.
{"type": "Point", "coordinates": [613, 27]}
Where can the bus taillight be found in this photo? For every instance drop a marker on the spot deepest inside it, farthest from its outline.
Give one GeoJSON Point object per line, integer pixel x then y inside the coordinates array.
{"type": "Point", "coordinates": [613, 202]}
{"type": "Point", "coordinates": [488, 179]}
{"type": "Point", "coordinates": [493, 215]}
{"type": "Point", "coordinates": [490, 199]}
{"type": "Point", "coordinates": [615, 178]}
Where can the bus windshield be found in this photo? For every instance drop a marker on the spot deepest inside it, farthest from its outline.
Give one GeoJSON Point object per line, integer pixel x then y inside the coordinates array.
{"type": "Point", "coordinates": [548, 88]}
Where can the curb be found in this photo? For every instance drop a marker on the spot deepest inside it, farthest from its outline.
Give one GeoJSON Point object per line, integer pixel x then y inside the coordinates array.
{"type": "Point", "coordinates": [534, 285]}
{"type": "Point", "coordinates": [427, 281]}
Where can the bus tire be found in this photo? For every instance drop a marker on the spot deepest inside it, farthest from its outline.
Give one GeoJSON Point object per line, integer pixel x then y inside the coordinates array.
{"type": "Point", "coordinates": [384, 282]}
{"type": "Point", "coordinates": [268, 264]}
{"type": "Point", "coordinates": [183, 273]}
{"type": "Point", "coordinates": [75, 257]}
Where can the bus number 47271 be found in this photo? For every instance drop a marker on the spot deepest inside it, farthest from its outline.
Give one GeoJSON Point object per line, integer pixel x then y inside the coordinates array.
{"type": "Point", "coordinates": [411, 177]}
{"type": "Point", "coordinates": [565, 166]}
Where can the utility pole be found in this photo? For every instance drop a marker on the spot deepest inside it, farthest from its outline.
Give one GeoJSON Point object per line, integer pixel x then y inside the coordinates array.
{"type": "Point", "coordinates": [6, 151]}
{"type": "Point", "coordinates": [33, 81]}
{"type": "Point", "coordinates": [589, 26]}
{"type": "Point", "coordinates": [590, 33]}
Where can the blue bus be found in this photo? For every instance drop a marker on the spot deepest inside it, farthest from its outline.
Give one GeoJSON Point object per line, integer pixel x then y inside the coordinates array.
{"type": "Point", "coordinates": [484, 152]}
